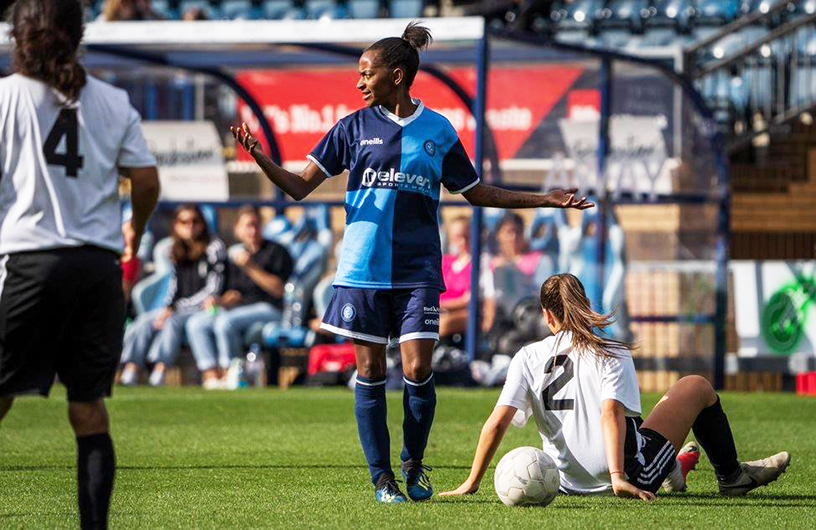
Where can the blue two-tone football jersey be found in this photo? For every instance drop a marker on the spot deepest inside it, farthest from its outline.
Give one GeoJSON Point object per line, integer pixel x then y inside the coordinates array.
{"type": "Point", "coordinates": [396, 166]}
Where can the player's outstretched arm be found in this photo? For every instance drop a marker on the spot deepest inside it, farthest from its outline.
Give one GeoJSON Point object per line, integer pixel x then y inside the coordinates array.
{"type": "Point", "coordinates": [484, 195]}
{"type": "Point", "coordinates": [489, 441]}
{"type": "Point", "coordinates": [144, 194]}
{"type": "Point", "coordinates": [296, 186]}
{"type": "Point", "coordinates": [613, 426]}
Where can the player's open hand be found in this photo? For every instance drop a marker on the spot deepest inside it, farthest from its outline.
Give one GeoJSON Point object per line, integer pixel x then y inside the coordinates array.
{"type": "Point", "coordinates": [623, 488]}
{"type": "Point", "coordinates": [467, 488]}
{"type": "Point", "coordinates": [567, 199]}
{"type": "Point", "coordinates": [244, 137]}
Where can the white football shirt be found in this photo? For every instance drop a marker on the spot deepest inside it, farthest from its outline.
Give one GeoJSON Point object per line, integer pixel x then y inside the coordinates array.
{"type": "Point", "coordinates": [59, 164]}
{"type": "Point", "coordinates": [563, 389]}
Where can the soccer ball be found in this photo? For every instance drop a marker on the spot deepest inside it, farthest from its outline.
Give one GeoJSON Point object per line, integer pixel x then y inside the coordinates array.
{"type": "Point", "coordinates": [526, 476]}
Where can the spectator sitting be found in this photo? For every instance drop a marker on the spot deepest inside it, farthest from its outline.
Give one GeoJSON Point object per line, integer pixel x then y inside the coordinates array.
{"type": "Point", "coordinates": [199, 263]}
{"type": "Point", "coordinates": [122, 10]}
{"type": "Point", "coordinates": [257, 275]}
{"type": "Point", "coordinates": [456, 271]}
{"type": "Point", "coordinates": [514, 267]}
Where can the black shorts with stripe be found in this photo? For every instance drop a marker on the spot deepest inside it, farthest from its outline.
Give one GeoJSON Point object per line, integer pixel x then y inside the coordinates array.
{"type": "Point", "coordinates": [62, 313]}
{"type": "Point", "coordinates": [648, 456]}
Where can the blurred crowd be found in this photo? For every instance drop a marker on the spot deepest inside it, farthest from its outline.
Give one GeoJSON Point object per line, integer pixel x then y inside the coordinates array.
{"type": "Point", "coordinates": [267, 292]}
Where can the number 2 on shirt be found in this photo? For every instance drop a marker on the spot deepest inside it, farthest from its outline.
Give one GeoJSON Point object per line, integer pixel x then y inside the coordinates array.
{"type": "Point", "coordinates": [66, 125]}
{"type": "Point", "coordinates": [560, 382]}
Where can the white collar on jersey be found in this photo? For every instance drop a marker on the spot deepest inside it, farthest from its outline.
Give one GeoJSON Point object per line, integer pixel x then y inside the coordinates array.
{"type": "Point", "coordinates": [402, 122]}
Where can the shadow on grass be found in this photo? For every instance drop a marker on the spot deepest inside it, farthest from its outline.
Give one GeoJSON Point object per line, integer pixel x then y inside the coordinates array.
{"type": "Point", "coordinates": [757, 499]}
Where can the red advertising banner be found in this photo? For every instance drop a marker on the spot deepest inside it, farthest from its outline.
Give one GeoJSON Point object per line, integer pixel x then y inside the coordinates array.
{"type": "Point", "coordinates": [303, 105]}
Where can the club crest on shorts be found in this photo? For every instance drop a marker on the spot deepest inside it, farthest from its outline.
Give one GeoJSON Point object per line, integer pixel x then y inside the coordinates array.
{"type": "Point", "coordinates": [347, 313]}
{"type": "Point", "coordinates": [430, 147]}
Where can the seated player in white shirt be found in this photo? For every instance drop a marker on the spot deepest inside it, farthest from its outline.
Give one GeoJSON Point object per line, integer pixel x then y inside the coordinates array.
{"type": "Point", "coordinates": [582, 390]}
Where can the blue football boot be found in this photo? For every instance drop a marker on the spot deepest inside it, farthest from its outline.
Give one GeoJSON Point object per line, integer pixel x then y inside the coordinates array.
{"type": "Point", "coordinates": [387, 491]}
{"type": "Point", "coordinates": [416, 480]}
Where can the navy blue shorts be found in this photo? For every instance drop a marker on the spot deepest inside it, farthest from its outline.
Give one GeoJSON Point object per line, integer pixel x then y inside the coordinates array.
{"type": "Point", "coordinates": [377, 315]}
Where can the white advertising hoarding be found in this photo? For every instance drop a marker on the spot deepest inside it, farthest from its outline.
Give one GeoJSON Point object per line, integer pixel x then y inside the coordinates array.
{"type": "Point", "coordinates": [190, 158]}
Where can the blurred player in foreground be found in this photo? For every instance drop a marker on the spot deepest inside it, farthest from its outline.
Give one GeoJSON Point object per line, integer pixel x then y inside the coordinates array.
{"type": "Point", "coordinates": [582, 390]}
{"type": "Point", "coordinates": [64, 139]}
{"type": "Point", "coordinates": [388, 282]}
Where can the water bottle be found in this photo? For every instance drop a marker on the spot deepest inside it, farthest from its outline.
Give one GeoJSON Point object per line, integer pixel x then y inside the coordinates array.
{"type": "Point", "coordinates": [255, 367]}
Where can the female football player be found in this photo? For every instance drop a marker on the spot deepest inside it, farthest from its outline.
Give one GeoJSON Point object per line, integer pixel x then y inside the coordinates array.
{"type": "Point", "coordinates": [582, 390]}
{"type": "Point", "coordinates": [65, 137]}
{"type": "Point", "coordinates": [397, 153]}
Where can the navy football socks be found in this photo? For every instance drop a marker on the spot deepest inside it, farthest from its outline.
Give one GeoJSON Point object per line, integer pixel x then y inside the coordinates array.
{"type": "Point", "coordinates": [370, 411]}
{"type": "Point", "coordinates": [419, 404]}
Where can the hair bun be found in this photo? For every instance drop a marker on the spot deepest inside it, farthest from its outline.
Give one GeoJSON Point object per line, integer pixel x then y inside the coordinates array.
{"type": "Point", "coordinates": [419, 37]}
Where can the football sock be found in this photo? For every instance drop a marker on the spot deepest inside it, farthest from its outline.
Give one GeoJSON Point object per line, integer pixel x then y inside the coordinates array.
{"type": "Point", "coordinates": [419, 404]}
{"type": "Point", "coordinates": [96, 467]}
{"type": "Point", "coordinates": [714, 435]}
{"type": "Point", "coordinates": [370, 411]}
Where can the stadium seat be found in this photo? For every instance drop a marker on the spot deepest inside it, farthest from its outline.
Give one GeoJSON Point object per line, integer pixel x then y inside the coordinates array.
{"type": "Point", "coordinates": [624, 14]}
{"type": "Point", "coordinates": [753, 6]}
{"type": "Point", "coordinates": [581, 14]}
{"type": "Point", "coordinates": [278, 230]}
{"type": "Point", "coordinates": [405, 8]}
{"type": "Point", "coordinates": [239, 10]}
{"type": "Point", "coordinates": [717, 12]}
{"type": "Point", "coordinates": [309, 242]}
{"type": "Point", "coordinates": [364, 8]}
{"type": "Point", "coordinates": [677, 14]}
{"type": "Point", "coordinates": [277, 9]}
{"type": "Point", "coordinates": [319, 9]}
{"type": "Point", "coordinates": [149, 293]}
{"type": "Point", "coordinates": [166, 8]}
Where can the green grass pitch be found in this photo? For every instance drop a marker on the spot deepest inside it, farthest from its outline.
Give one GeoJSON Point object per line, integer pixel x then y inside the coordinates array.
{"type": "Point", "coordinates": [265, 458]}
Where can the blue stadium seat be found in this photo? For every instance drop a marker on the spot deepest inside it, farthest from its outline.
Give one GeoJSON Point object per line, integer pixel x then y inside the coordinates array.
{"type": "Point", "coordinates": [717, 12]}
{"type": "Point", "coordinates": [149, 293]}
{"type": "Point", "coordinates": [405, 8]}
{"type": "Point", "coordinates": [364, 8]}
{"type": "Point", "coordinates": [309, 243]}
{"type": "Point", "coordinates": [624, 14]}
{"type": "Point", "coordinates": [278, 229]}
{"type": "Point", "coordinates": [677, 14]}
{"type": "Point", "coordinates": [752, 6]}
{"type": "Point", "coordinates": [239, 10]}
{"type": "Point", "coordinates": [317, 9]}
{"type": "Point", "coordinates": [166, 8]}
{"type": "Point", "coordinates": [807, 7]}
{"type": "Point", "coordinates": [581, 14]}
{"type": "Point", "coordinates": [277, 9]}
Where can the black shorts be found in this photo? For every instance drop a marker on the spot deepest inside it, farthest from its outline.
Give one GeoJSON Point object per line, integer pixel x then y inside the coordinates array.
{"type": "Point", "coordinates": [648, 456]}
{"type": "Point", "coordinates": [62, 313]}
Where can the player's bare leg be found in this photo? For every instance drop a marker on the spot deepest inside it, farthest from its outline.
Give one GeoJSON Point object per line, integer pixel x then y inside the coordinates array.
{"type": "Point", "coordinates": [5, 406]}
{"type": "Point", "coordinates": [692, 404]}
{"type": "Point", "coordinates": [371, 413]}
{"type": "Point", "coordinates": [96, 462]}
{"type": "Point", "coordinates": [419, 405]}
{"type": "Point", "coordinates": [370, 358]}
{"type": "Point", "coordinates": [674, 415]}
